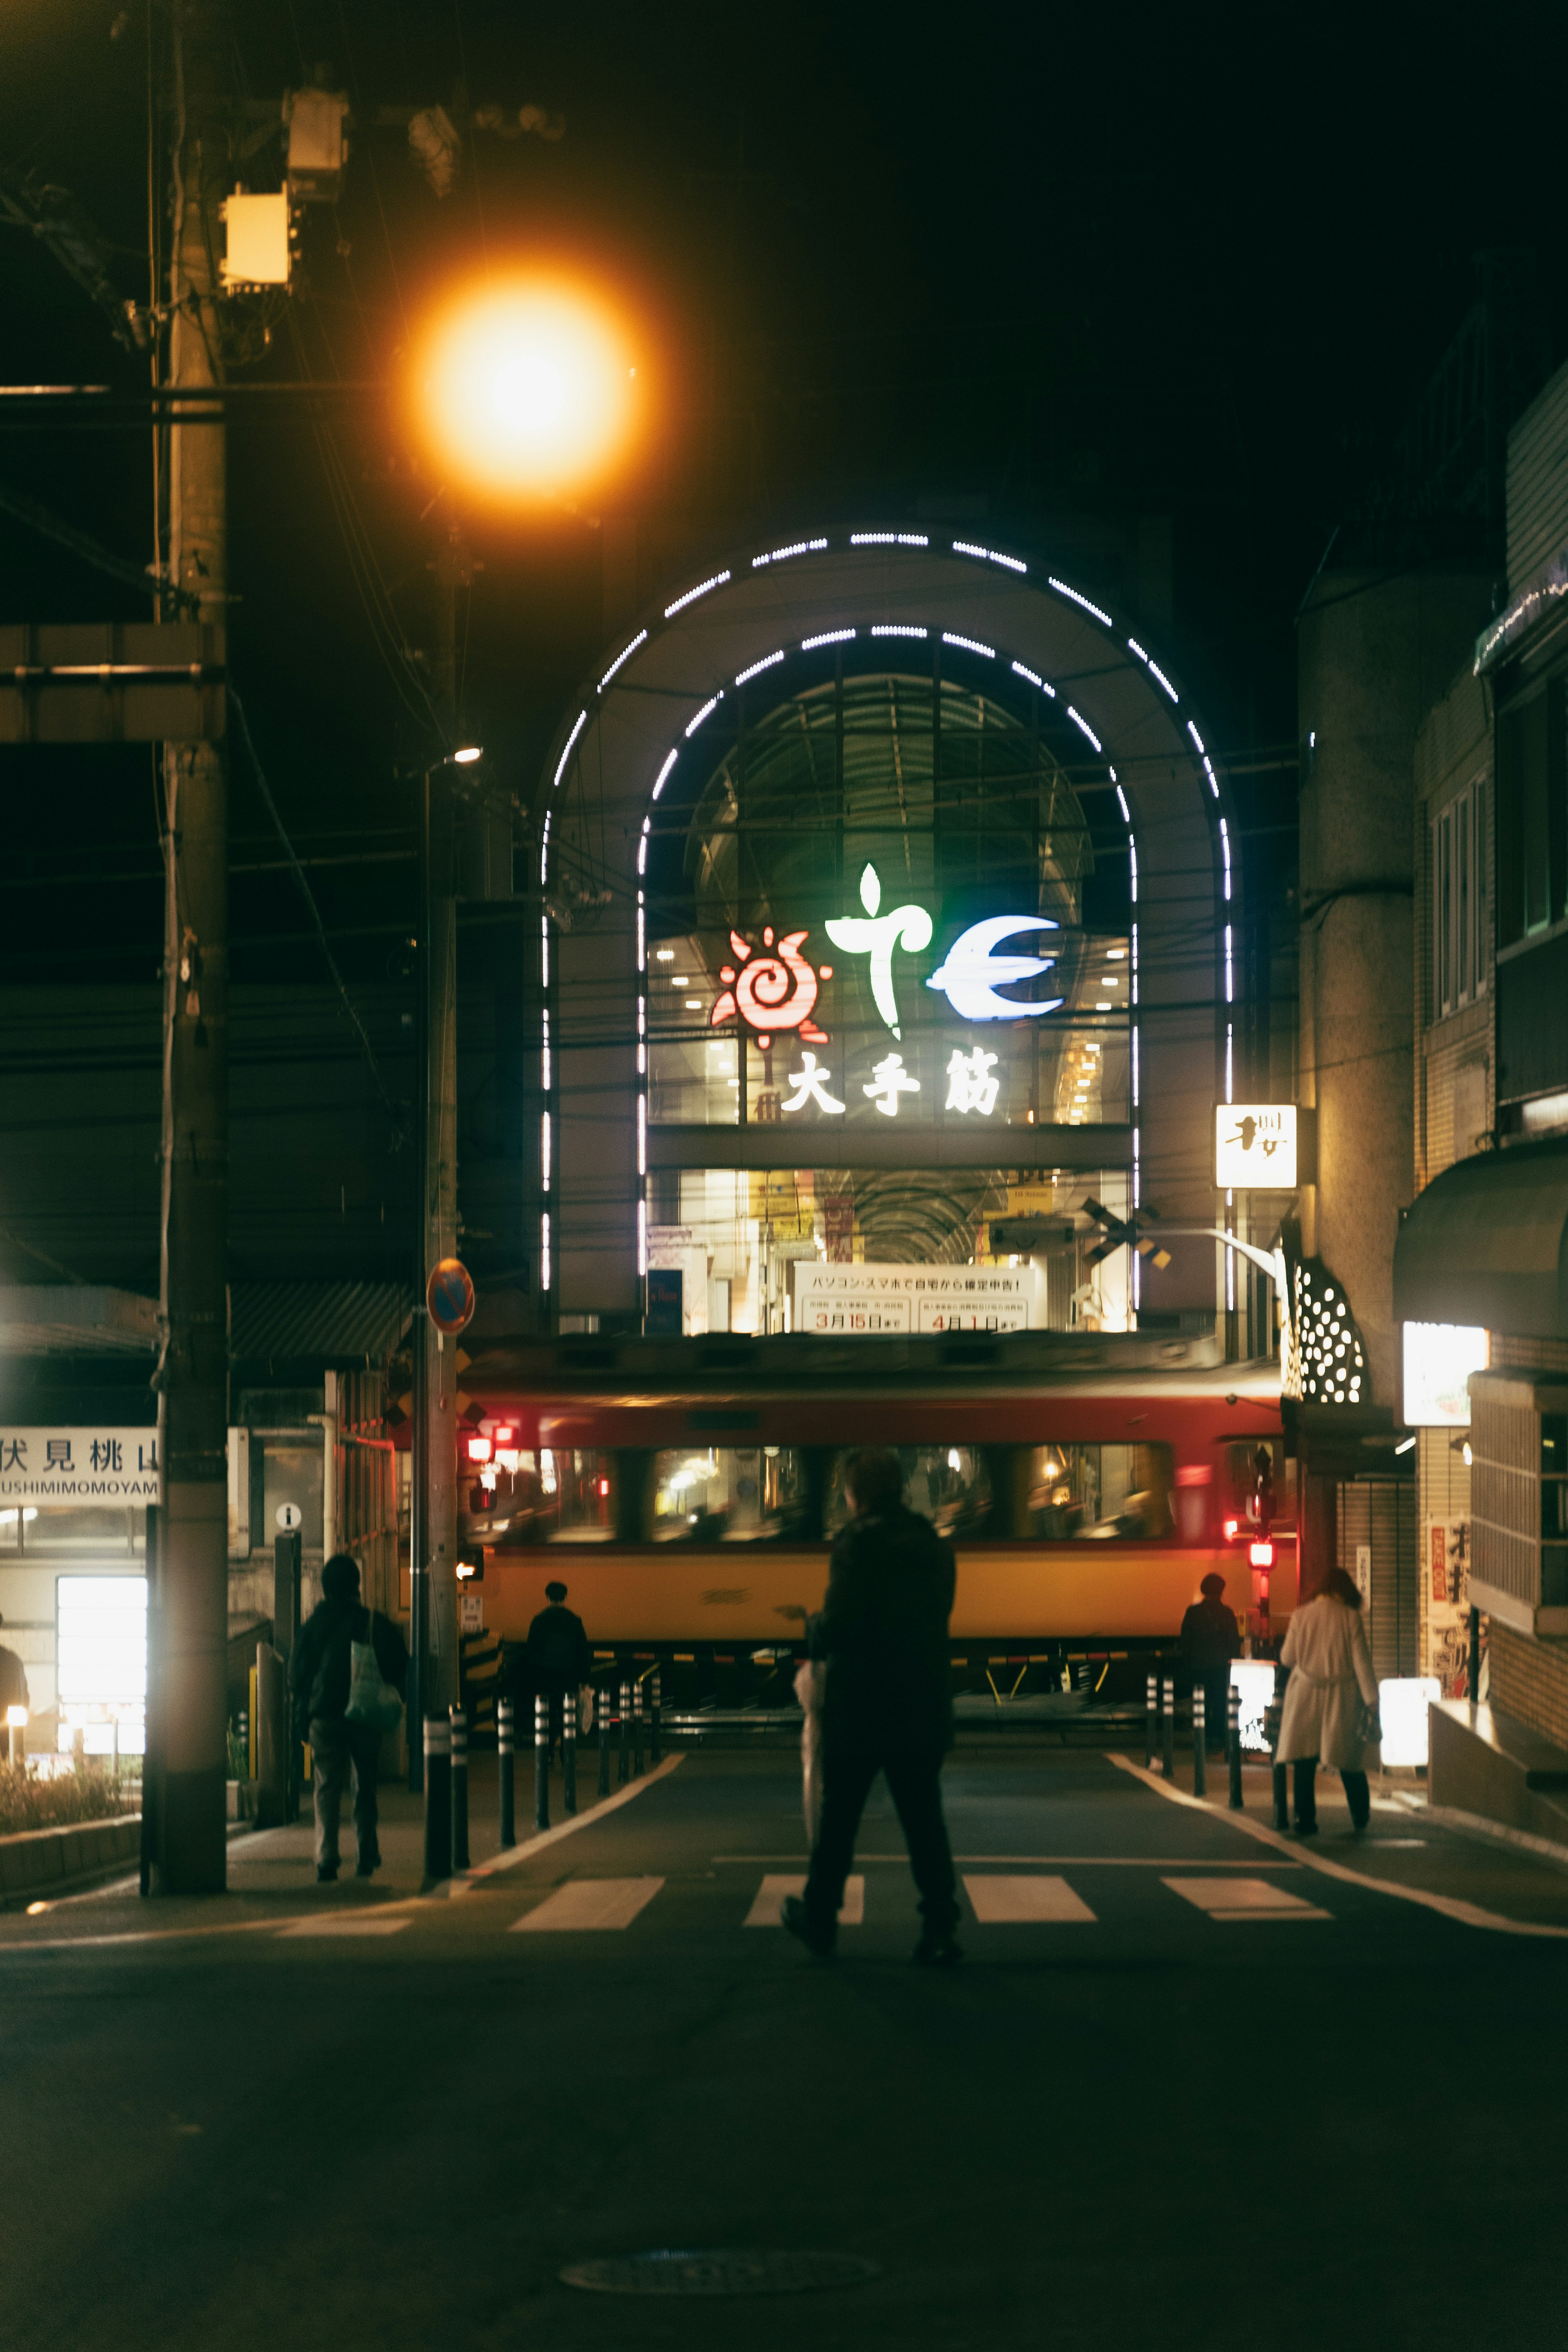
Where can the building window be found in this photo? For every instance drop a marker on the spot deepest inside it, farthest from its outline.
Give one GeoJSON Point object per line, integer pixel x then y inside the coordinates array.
{"type": "Point", "coordinates": [1459, 909]}
{"type": "Point", "coordinates": [1532, 815]}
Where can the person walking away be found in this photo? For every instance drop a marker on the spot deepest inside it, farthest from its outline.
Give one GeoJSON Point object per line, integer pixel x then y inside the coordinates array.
{"type": "Point", "coordinates": [319, 1676]}
{"type": "Point", "coordinates": [887, 1704]}
{"type": "Point", "coordinates": [1331, 1700]}
{"type": "Point", "coordinates": [13, 1685]}
{"type": "Point", "coordinates": [1210, 1639]}
{"type": "Point", "coordinates": [559, 1657]}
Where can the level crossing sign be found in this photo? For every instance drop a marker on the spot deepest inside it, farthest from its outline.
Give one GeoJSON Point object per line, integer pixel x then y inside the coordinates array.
{"type": "Point", "coordinates": [450, 1297]}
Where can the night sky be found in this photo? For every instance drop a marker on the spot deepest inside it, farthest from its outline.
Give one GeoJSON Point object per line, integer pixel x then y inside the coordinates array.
{"type": "Point", "coordinates": [1081, 266]}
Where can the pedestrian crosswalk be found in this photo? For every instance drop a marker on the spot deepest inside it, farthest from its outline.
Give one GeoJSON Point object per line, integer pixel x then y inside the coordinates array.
{"type": "Point", "coordinates": [994, 1898]}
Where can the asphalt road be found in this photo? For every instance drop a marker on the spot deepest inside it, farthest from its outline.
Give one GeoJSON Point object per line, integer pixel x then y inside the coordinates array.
{"type": "Point", "coordinates": [1192, 2086]}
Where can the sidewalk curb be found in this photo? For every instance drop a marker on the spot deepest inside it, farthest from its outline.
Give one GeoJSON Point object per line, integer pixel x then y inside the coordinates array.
{"type": "Point", "coordinates": [1449, 1906]}
{"type": "Point", "coordinates": [464, 1881]}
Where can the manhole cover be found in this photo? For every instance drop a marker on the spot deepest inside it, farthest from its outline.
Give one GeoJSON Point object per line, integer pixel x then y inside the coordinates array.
{"type": "Point", "coordinates": [717, 2270]}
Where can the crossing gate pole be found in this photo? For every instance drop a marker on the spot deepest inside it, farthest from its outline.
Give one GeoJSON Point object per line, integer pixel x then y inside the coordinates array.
{"type": "Point", "coordinates": [655, 1746]}
{"type": "Point", "coordinates": [569, 1753]}
{"type": "Point", "coordinates": [1151, 1709]}
{"type": "Point", "coordinates": [540, 1762]}
{"type": "Point", "coordinates": [1200, 1741]}
{"type": "Point", "coordinates": [460, 1789]}
{"type": "Point", "coordinates": [636, 1730]}
{"type": "Point", "coordinates": [1168, 1753]}
{"type": "Point", "coordinates": [624, 1772]}
{"type": "Point", "coordinates": [506, 1735]}
{"type": "Point", "coordinates": [603, 1703]}
{"type": "Point", "coordinates": [437, 1799]}
{"type": "Point", "coordinates": [1232, 1744]}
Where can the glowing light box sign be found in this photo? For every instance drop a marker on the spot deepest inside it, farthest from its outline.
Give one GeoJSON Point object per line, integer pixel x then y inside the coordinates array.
{"type": "Point", "coordinates": [1255, 1147]}
{"type": "Point", "coordinates": [1402, 1708]}
{"type": "Point", "coordinates": [1255, 1682]}
{"type": "Point", "coordinates": [1438, 1360]}
{"type": "Point", "coordinates": [869, 1301]}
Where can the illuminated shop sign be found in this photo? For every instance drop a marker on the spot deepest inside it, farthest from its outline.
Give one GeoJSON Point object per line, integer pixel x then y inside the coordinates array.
{"type": "Point", "coordinates": [770, 993]}
{"type": "Point", "coordinates": [1438, 1360]}
{"type": "Point", "coordinates": [971, 973]}
{"type": "Point", "coordinates": [1255, 1147]}
{"type": "Point", "coordinates": [876, 935]}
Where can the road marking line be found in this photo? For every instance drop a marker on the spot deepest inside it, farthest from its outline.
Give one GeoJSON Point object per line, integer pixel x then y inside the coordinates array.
{"type": "Point", "coordinates": [1000, 1902]}
{"type": "Point", "coordinates": [1051, 1861]}
{"type": "Point", "coordinates": [589, 1902]}
{"type": "Point", "coordinates": [770, 1895]}
{"type": "Point", "coordinates": [1448, 1906]}
{"type": "Point", "coordinates": [343, 1923]}
{"type": "Point", "coordinates": [464, 1881]}
{"type": "Point", "coordinates": [1243, 1898]}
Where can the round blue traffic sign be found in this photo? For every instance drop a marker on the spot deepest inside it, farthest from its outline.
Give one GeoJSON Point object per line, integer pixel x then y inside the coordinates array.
{"type": "Point", "coordinates": [450, 1297]}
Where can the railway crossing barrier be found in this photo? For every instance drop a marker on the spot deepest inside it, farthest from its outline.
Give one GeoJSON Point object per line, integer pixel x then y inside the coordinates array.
{"type": "Point", "coordinates": [1150, 1722]}
{"type": "Point", "coordinates": [636, 1730]}
{"type": "Point", "coordinates": [1200, 1742]}
{"type": "Point", "coordinates": [625, 1771]}
{"type": "Point", "coordinates": [602, 1702]}
{"type": "Point", "coordinates": [541, 1762]}
{"type": "Point", "coordinates": [1232, 1744]}
{"type": "Point", "coordinates": [460, 1789]}
{"type": "Point", "coordinates": [437, 1799]}
{"type": "Point", "coordinates": [655, 1747]}
{"type": "Point", "coordinates": [506, 1734]}
{"type": "Point", "coordinates": [568, 1754]}
{"type": "Point", "coordinates": [1168, 1728]}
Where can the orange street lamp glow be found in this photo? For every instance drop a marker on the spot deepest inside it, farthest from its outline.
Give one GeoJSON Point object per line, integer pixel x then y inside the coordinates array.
{"type": "Point", "coordinates": [525, 388]}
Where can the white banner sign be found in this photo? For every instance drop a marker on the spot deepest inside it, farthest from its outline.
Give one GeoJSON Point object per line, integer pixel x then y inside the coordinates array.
{"type": "Point", "coordinates": [79, 1466]}
{"type": "Point", "coordinates": [873, 1300]}
{"type": "Point", "coordinates": [1255, 1147]}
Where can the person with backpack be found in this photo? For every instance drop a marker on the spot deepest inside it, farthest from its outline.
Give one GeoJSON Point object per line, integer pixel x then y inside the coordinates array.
{"type": "Point", "coordinates": [344, 1660]}
{"type": "Point", "coordinates": [559, 1657]}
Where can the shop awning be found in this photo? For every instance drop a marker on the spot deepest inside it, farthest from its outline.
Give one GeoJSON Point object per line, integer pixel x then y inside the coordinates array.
{"type": "Point", "coordinates": [1487, 1244]}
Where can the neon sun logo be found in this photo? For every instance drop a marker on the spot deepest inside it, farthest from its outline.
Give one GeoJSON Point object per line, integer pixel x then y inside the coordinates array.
{"type": "Point", "coordinates": [778, 992]}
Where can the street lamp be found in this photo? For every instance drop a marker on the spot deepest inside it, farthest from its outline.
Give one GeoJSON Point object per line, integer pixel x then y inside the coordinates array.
{"type": "Point", "coordinates": [524, 387]}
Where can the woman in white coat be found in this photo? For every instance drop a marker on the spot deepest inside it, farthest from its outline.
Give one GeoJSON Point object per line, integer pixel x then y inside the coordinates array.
{"type": "Point", "coordinates": [1330, 1692]}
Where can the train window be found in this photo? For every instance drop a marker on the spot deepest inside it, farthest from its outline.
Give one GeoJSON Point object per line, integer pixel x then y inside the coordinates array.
{"type": "Point", "coordinates": [1099, 1492]}
{"type": "Point", "coordinates": [948, 1484]}
{"type": "Point", "coordinates": [726, 1493]}
{"type": "Point", "coordinates": [569, 1498]}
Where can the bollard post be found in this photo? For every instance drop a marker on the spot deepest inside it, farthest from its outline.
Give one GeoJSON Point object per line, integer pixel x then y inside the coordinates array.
{"type": "Point", "coordinates": [636, 1730]}
{"type": "Point", "coordinates": [602, 1702]}
{"type": "Point", "coordinates": [245, 1742]}
{"type": "Point", "coordinates": [569, 1753]}
{"type": "Point", "coordinates": [1232, 1744]}
{"type": "Point", "coordinates": [505, 1750]}
{"type": "Point", "coordinates": [655, 1746]}
{"type": "Point", "coordinates": [624, 1769]}
{"type": "Point", "coordinates": [459, 1788]}
{"type": "Point", "coordinates": [541, 1762]}
{"type": "Point", "coordinates": [1151, 1714]}
{"type": "Point", "coordinates": [1168, 1728]}
{"type": "Point", "coordinates": [1200, 1742]}
{"type": "Point", "coordinates": [438, 1800]}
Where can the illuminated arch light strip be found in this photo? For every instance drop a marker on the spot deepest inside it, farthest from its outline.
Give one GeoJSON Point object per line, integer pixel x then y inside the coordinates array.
{"type": "Point", "coordinates": [1229, 972]}
{"type": "Point", "coordinates": [899, 629]}
{"type": "Point", "coordinates": [889, 539]}
{"type": "Point", "coordinates": [968, 644]}
{"type": "Point", "coordinates": [776, 556]}
{"type": "Point", "coordinates": [544, 1251]}
{"type": "Point", "coordinates": [1225, 853]}
{"type": "Point", "coordinates": [545, 849]}
{"type": "Point", "coordinates": [1021, 670]}
{"type": "Point", "coordinates": [571, 739]}
{"type": "Point", "coordinates": [640, 639]}
{"type": "Point", "coordinates": [642, 845]}
{"type": "Point", "coordinates": [1082, 601]}
{"type": "Point", "coordinates": [1084, 728]}
{"type": "Point", "coordinates": [702, 589]}
{"type": "Point", "coordinates": [709, 708]}
{"type": "Point", "coordinates": [744, 677]}
{"type": "Point", "coordinates": [1152, 666]}
{"type": "Point", "coordinates": [989, 555]}
{"type": "Point", "coordinates": [828, 637]}
{"type": "Point", "coordinates": [664, 774]}
{"type": "Point", "coordinates": [1122, 804]}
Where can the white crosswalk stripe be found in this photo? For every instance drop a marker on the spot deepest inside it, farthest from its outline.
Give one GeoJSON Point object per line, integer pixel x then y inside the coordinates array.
{"type": "Point", "coordinates": [344, 1923]}
{"type": "Point", "coordinates": [589, 1902]}
{"type": "Point", "coordinates": [770, 1895]}
{"type": "Point", "coordinates": [1243, 1898]}
{"type": "Point", "coordinates": [1006, 1902]}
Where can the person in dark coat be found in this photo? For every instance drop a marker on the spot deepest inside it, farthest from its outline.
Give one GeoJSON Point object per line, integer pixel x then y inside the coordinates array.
{"type": "Point", "coordinates": [319, 1676]}
{"type": "Point", "coordinates": [559, 1657]}
{"type": "Point", "coordinates": [1210, 1639]}
{"type": "Point", "coordinates": [887, 1702]}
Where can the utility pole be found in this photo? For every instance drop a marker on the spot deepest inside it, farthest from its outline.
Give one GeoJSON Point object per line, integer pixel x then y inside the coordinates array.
{"type": "Point", "coordinates": [190, 1828]}
{"type": "Point", "coordinates": [452, 569]}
